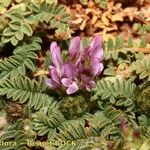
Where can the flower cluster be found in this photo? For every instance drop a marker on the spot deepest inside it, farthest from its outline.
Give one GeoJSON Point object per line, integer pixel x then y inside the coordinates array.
{"type": "Point", "coordinates": [80, 67]}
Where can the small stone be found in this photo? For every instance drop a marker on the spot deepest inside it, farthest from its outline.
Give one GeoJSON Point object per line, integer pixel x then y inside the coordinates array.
{"type": "Point", "coordinates": [3, 122]}
{"type": "Point", "coordinates": [2, 133]}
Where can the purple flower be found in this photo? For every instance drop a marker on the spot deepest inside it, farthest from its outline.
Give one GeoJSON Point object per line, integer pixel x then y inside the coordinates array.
{"type": "Point", "coordinates": [56, 56]}
{"type": "Point", "coordinates": [69, 70]}
{"type": "Point", "coordinates": [95, 55]}
{"type": "Point", "coordinates": [71, 85]}
{"type": "Point", "coordinates": [75, 47]}
{"type": "Point", "coordinates": [75, 50]}
{"type": "Point", "coordinates": [55, 70]}
{"type": "Point", "coordinates": [80, 68]}
{"type": "Point", "coordinates": [87, 82]}
{"type": "Point", "coordinates": [68, 81]}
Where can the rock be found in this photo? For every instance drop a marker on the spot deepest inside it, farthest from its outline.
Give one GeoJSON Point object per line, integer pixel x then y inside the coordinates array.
{"type": "Point", "coordinates": [3, 122]}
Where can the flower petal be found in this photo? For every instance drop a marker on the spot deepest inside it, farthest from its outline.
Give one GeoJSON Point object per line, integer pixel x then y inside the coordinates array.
{"type": "Point", "coordinates": [97, 67]}
{"type": "Point", "coordinates": [101, 67]}
{"type": "Point", "coordinates": [72, 88]}
{"type": "Point", "coordinates": [52, 83]}
{"type": "Point", "coordinates": [56, 55]}
{"type": "Point", "coordinates": [79, 60]}
{"type": "Point", "coordinates": [96, 42]}
{"type": "Point", "coordinates": [66, 82]}
{"type": "Point", "coordinates": [54, 75]}
{"type": "Point", "coordinates": [75, 46]}
{"type": "Point", "coordinates": [69, 70]}
{"type": "Point", "coordinates": [96, 47]}
{"type": "Point", "coordinates": [53, 45]}
{"type": "Point", "coordinates": [90, 85]}
{"type": "Point", "coordinates": [87, 82]}
{"type": "Point", "coordinates": [49, 82]}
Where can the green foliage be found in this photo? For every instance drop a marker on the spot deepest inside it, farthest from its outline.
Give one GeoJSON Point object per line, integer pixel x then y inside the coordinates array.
{"type": "Point", "coordinates": [46, 1]}
{"type": "Point", "coordinates": [119, 62]}
{"type": "Point", "coordinates": [23, 21]}
{"type": "Point", "coordinates": [142, 96]}
{"type": "Point", "coordinates": [19, 26]}
{"type": "Point", "coordinates": [102, 123]}
{"type": "Point", "coordinates": [107, 122]}
{"type": "Point", "coordinates": [1, 103]}
{"type": "Point", "coordinates": [125, 144]}
{"type": "Point", "coordinates": [118, 44]}
{"type": "Point", "coordinates": [55, 16]}
{"type": "Point", "coordinates": [85, 120]}
{"type": "Point", "coordinates": [14, 133]}
{"type": "Point", "coordinates": [51, 123]}
{"type": "Point", "coordinates": [23, 59]}
{"type": "Point", "coordinates": [77, 132]}
{"type": "Point", "coordinates": [73, 134]}
{"type": "Point", "coordinates": [73, 107]}
{"type": "Point", "coordinates": [84, 2]}
{"type": "Point", "coordinates": [114, 48]}
{"type": "Point", "coordinates": [25, 90]}
{"type": "Point", "coordinates": [144, 125]}
{"type": "Point", "coordinates": [117, 93]}
{"type": "Point", "coordinates": [101, 3]}
{"type": "Point", "coordinates": [4, 4]}
{"type": "Point", "coordinates": [46, 121]}
{"type": "Point", "coordinates": [141, 28]}
{"type": "Point", "coordinates": [123, 61]}
{"type": "Point", "coordinates": [142, 68]}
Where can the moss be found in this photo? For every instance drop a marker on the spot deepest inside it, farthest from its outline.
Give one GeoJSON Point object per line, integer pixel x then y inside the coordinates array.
{"type": "Point", "coordinates": [142, 97]}
{"type": "Point", "coordinates": [73, 106]}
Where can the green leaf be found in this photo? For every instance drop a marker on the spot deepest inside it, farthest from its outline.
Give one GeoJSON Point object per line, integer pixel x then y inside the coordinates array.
{"type": "Point", "coordinates": [130, 42]}
{"type": "Point", "coordinates": [15, 25]}
{"type": "Point", "coordinates": [143, 75]}
{"type": "Point", "coordinates": [47, 59]}
{"type": "Point", "coordinates": [27, 29]}
{"type": "Point", "coordinates": [110, 44]}
{"type": "Point", "coordinates": [6, 2]}
{"type": "Point", "coordinates": [109, 71]}
{"type": "Point", "coordinates": [5, 40]}
{"type": "Point", "coordinates": [30, 20]}
{"type": "Point", "coordinates": [115, 55]}
{"type": "Point", "coordinates": [51, 134]}
{"type": "Point", "coordinates": [143, 43]}
{"type": "Point", "coordinates": [14, 41]}
{"type": "Point", "coordinates": [52, 1]}
{"type": "Point", "coordinates": [145, 145]}
{"type": "Point", "coordinates": [8, 32]}
{"type": "Point", "coordinates": [103, 4]}
{"type": "Point", "coordinates": [43, 131]}
{"type": "Point", "coordinates": [84, 2]}
{"type": "Point", "coordinates": [119, 43]}
{"type": "Point", "coordinates": [29, 64]}
{"type": "Point", "coordinates": [19, 35]}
